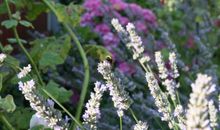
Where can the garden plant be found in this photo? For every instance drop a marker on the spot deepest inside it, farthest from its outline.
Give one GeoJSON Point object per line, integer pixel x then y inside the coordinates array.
{"type": "Point", "coordinates": [110, 65]}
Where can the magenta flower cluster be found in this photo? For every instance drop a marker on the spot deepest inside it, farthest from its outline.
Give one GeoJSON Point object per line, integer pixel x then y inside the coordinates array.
{"type": "Point", "coordinates": [98, 14]}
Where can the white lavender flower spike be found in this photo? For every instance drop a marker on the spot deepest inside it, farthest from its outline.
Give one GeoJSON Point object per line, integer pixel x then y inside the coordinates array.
{"type": "Point", "coordinates": [213, 114]}
{"type": "Point", "coordinates": [24, 71]}
{"type": "Point", "coordinates": [197, 113]}
{"type": "Point", "coordinates": [173, 65]}
{"type": "Point", "coordinates": [141, 126]}
{"type": "Point", "coordinates": [163, 72]}
{"type": "Point", "coordinates": [120, 97]}
{"type": "Point", "coordinates": [92, 113]}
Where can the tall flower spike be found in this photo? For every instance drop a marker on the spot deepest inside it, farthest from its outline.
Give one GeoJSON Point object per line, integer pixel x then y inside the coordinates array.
{"type": "Point", "coordinates": [24, 71]}
{"type": "Point", "coordinates": [132, 40]}
{"type": "Point", "coordinates": [173, 65]}
{"type": "Point", "coordinates": [120, 97]}
{"type": "Point", "coordinates": [92, 113]}
{"type": "Point", "coordinates": [44, 108]}
{"type": "Point", "coordinates": [163, 72]}
{"type": "Point", "coordinates": [212, 114]}
{"type": "Point", "coordinates": [141, 126]}
{"type": "Point", "coordinates": [2, 58]}
{"type": "Point", "coordinates": [197, 113]}
{"type": "Point", "coordinates": [135, 43]}
{"type": "Point", "coordinates": [160, 98]}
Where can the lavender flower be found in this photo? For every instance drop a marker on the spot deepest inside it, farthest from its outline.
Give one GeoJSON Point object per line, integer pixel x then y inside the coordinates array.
{"type": "Point", "coordinates": [160, 98]}
{"type": "Point", "coordinates": [212, 114]}
{"type": "Point", "coordinates": [141, 126]}
{"type": "Point", "coordinates": [197, 113]}
{"type": "Point", "coordinates": [24, 71]}
{"type": "Point", "coordinates": [163, 72]}
{"type": "Point", "coordinates": [44, 108]}
{"type": "Point", "coordinates": [92, 113]}
{"type": "Point", "coordinates": [120, 97]}
{"type": "Point", "coordinates": [173, 65]}
{"type": "Point", "coordinates": [135, 43]}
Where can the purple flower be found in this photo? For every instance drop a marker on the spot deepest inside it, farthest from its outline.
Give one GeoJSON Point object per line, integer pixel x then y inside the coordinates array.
{"type": "Point", "coordinates": [110, 39]}
{"type": "Point", "coordinates": [149, 16]}
{"type": "Point", "coordinates": [136, 9]}
{"type": "Point", "coordinates": [141, 27]}
{"type": "Point", "coordinates": [102, 29]}
{"type": "Point", "coordinates": [118, 4]}
{"type": "Point", "coordinates": [87, 19]}
{"type": "Point", "coordinates": [124, 67]}
{"type": "Point", "coordinates": [92, 5]}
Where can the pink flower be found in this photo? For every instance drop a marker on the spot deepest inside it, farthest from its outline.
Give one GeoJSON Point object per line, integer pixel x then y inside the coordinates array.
{"type": "Point", "coordinates": [122, 20]}
{"type": "Point", "coordinates": [136, 9]}
{"type": "Point", "coordinates": [102, 29]}
{"type": "Point", "coordinates": [110, 39]}
{"type": "Point", "coordinates": [87, 19]}
{"type": "Point", "coordinates": [92, 5]}
{"type": "Point", "coordinates": [141, 27]}
{"type": "Point", "coordinates": [149, 16]}
{"type": "Point", "coordinates": [124, 67]}
{"type": "Point", "coordinates": [118, 4]}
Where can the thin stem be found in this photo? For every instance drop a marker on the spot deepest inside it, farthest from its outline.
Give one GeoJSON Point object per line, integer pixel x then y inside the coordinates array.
{"type": "Point", "coordinates": [60, 105]}
{"type": "Point", "coordinates": [120, 118]}
{"type": "Point", "coordinates": [23, 48]}
{"type": "Point", "coordinates": [134, 116]}
{"type": "Point", "coordinates": [6, 122]}
{"type": "Point", "coordinates": [84, 59]}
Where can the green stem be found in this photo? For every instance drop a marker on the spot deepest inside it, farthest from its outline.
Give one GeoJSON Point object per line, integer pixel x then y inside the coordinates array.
{"type": "Point", "coordinates": [132, 113]}
{"type": "Point", "coordinates": [60, 105]}
{"type": "Point", "coordinates": [84, 59]}
{"type": "Point", "coordinates": [120, 118]}
{"type": "Point", "coordinates": [23, 48]}
{"type": "Point", "coordinates": [6, 122]}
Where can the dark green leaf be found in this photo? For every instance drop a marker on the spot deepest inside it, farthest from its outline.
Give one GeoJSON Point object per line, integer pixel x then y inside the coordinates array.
{"type": "Point", "coordinates": [9, 23]}
{"type": "Point", "coordinates": [59, 93]}
{"type": "Point", "coordinates": [26, 23]}
{"type": "Point", "coordinates": [7, 104]}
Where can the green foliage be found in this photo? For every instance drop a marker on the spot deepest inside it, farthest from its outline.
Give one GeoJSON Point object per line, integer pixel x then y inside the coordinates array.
{"type": "Point", "coordinates": [20, 118]}
{"type": "Point", "coordinates": [59, 93]}
{"type": "Point", "coordinates": [26, 23]}
{"type": "Point", "coordinates": [14, 40]}
{"type": "Point", "coordinates": [68, 14]}
{"type": "Point", "coordinates": [96, 51]}
{"type": "Point", "coordinates": [40, 127]}
{"type": "Point", "coordinates": [51, 51]}
{"type": "Point", "coordinates": [9, 23]}
{"type": "Point", "coordinates": [7, 104]}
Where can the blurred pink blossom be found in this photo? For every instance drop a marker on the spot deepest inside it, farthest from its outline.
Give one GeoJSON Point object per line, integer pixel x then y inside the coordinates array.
{"type": "Point", "coordinates": [141, 26]}
{"type": "Point", "coordinates": [149, 16]}
{"type": "Point", "coordinates": [118, 4]}
{"type": "Point", "coordinates": [124, 67]}
{"type": "Point", "coordinates": [110, 39]}
{"type": "Point", "coordinates": [102, 28]}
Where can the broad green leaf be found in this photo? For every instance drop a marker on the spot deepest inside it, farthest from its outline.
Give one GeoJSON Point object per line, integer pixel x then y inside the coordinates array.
{"type": "Point", "coordinates": [20, 118]}
{"type": "Point", "coordinates": [7, 104]}
{"type": "Point", "coordinates": [59, 93]}
{"type": "Point", "coordinates": [97, 51]}
{"type": "Point", "coordinates": [26, 23]}
{"type": "Point", "coordinates": [9, 23]}
{"type": "Point", "coordinates": [8, 49]}
{"type": "Point", "coordinates": [50, 58]}
{"type": "Point", "coordinates": [51, 51]}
